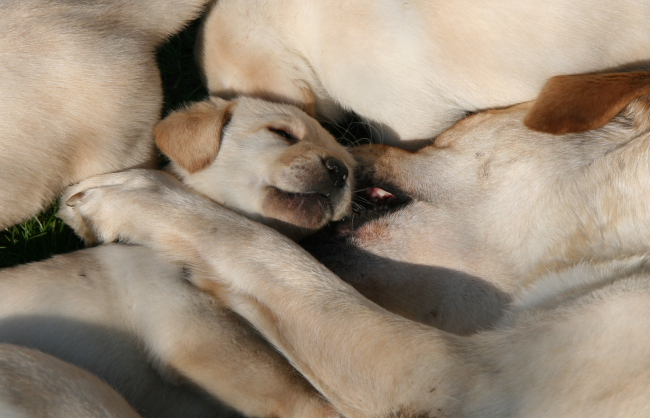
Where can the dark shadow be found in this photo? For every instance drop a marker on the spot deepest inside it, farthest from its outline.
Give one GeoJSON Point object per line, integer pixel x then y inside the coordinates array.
{"type": "Point", "coordinates": [448, 299]}
{"type": "Point", "coordinates": [181, 77]}
{"type": "Point", "coordinates": [37, 239]}
{"type": "Point", "coordinates": [118, 359]}
{"type": "Point", "coordinates": [630, 66]}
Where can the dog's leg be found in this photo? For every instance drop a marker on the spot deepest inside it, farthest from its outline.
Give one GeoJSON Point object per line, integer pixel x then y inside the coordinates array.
{"type": "Point", "coordinates": [222, 354]}
{"type": "Point", "coordinates": [365, 360]}
{"type": "Point", "coordinates": [98, 307]}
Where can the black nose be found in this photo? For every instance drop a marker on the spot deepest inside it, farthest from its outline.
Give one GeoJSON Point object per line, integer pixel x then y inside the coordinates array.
{"type": "Point", "coordinates": [337, 170]}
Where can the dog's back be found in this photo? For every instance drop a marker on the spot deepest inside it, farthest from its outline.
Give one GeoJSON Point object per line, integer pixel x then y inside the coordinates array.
{"type": "Point", "coordinates": [80, 92]}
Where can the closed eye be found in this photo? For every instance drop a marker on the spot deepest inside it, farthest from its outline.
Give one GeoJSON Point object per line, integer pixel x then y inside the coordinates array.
{"type": "Point", "coordinates": [284, 133]}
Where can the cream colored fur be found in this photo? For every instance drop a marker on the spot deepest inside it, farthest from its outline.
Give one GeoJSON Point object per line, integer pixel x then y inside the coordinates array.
{"type": "Point", "coordinates": [116, 310]}
{"type": "Point", "coordinates": [35, 384]}
{"type": "Point", "coordinates": [413, 68]}
{"type": "Point", "coordinates": [270, 162]}
{"type": "Point", "coordinates": [80, 92]}
{"type": "Point", "coordinates": [560, 222]}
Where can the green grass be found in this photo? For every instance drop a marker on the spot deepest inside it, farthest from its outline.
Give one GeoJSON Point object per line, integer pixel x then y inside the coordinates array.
{"type": "Point", "coordinates": [46, 235]}
{"type": "Point", "coordinates": [180, 75]}
{"type": "Point", "coordinates": [36, 239]}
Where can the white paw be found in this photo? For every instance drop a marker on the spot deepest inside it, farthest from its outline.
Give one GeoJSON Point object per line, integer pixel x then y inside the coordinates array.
{"type": "Point", "coordinates": [107, 207]}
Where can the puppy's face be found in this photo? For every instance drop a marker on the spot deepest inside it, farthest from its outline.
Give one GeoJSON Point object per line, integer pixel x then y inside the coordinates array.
{"type": "Point", "coordinates": [267, 161]}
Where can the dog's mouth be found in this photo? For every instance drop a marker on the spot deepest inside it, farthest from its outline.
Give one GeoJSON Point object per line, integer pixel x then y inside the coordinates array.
{"type": "Point", "coordinates": [305, 210]}
{"type": "Point", "coordinates": [368, 204]}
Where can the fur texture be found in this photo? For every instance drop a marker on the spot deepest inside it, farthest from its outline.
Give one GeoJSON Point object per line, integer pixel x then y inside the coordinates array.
{"type": "Point", "coordinates": [118, 310]}
{"type": "Point", "coordinates": [270, 162]}
{"type": "Point", "coordinates": [558, 222]}
{"type": "Point", "coordinates": [35, 384]}
{"type": "Point", "coordinates": [412, 69]}
{"type": "Point", "coordinates": [80, 92]}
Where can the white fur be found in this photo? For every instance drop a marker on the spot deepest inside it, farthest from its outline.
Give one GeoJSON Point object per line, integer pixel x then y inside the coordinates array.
{"type": "Point", "coordinates": [414, 68]}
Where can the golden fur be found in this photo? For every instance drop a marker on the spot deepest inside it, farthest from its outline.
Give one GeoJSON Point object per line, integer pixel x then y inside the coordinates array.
{"type": "Point", "coordinates": [130, 317]}
{"type": "Point", "coordinates": [560, 223]}
{"type": "Point", "coordinates": [412, 69]}
{"type": "Point", "coordinates": [80, 92]}
{"type": "Point", "coordinates": [35, 384]}
{"type": "Point", "coordinates": [99, 308]}
{"type": "Point", "coordinates": [267, 161]}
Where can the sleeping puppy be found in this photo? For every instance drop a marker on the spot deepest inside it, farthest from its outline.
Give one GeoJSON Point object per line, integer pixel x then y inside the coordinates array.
{"type": "Point", "coordinates": [270, 162]}
{"type": "Point", "coordinates": [116, 310]}
{"type": "Point", "coordinates": [561, 223]}
{"type": "Point", "coordinates": [80, 92]}
{"type": "Point", "coordinates": [412, 69]}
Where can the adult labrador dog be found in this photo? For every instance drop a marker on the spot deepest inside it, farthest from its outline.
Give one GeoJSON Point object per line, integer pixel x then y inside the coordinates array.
{"type": "Point", "coordinates": [559, 222]}
{"type": "Point", "coordinates": [116, 310]}
{"type": "Point", "coordinates": [412, 69]}
{"type": "Point", "coordinates": [80, 92]}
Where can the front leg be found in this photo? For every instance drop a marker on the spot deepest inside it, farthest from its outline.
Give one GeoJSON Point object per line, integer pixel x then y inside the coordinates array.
{"type": "Point", "coordinates": [205, 343]}
{"type": "Point", "coordinates": [365, 360]}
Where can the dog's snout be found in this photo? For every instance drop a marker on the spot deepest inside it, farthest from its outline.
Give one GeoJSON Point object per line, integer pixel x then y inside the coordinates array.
{"type": "Point", "coordinates": [338, 171]}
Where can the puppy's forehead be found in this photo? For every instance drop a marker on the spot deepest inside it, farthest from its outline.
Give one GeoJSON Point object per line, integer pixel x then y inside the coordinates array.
{"type": "Point", "coordinates": [260, 114]}
{"type": "Point", "coordinates": [265, 111]}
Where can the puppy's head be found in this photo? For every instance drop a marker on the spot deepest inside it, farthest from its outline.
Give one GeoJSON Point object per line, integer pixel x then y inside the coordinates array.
{"type": "Point", "coordinates": [270, 162]}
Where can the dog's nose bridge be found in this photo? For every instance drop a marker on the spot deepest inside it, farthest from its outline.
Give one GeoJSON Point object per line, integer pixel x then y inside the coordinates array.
{"type": "Point", "coordinates": [337, 170]}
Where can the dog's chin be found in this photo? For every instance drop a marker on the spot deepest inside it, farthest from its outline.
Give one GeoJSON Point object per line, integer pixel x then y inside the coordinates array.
{"type": "Point", "coordinates": [369, 204]}
{"type": "Point", "coordinates": [309, 211]}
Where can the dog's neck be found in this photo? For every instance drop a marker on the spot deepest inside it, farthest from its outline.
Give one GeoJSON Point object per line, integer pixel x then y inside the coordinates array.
{"type": "Point", "coordinates": [605, 210]}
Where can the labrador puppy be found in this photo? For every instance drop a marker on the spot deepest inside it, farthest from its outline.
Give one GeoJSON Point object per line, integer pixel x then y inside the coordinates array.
{"type": "Point", "coordinates": [80, 92]}
{"type": "Point", "coordinates": [117, 310]}
{"type": "Point", "coordinates": [270, 162]}
{"type": "Point", "coordinates": [412, 69]}
{"type": "Point", "coordinates": [35, 384]}
{"type": "Point", "coordinates": [559, 222]}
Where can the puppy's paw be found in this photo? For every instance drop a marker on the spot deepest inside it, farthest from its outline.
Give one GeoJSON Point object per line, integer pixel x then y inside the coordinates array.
{"type": "Point", "coordinates": [114, 206]}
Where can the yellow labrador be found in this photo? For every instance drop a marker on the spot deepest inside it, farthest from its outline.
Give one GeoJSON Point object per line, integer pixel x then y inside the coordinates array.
{"type": "Point", "coordinates": [560, 222]}
{"type": "Point", "coordinates": [79, 92]}
{"type": "Point", "coordinates": [412, 69]}
{"type": "Point", "coordinates": [115, 310]}
{"type": "Point", "coordinates": [267, 161]}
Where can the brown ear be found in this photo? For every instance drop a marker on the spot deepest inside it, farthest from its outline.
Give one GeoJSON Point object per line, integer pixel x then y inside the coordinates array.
{"type": "Point", "coordinates": [578, 103]}
{"type": "Point", "coordinates": [191, 137]}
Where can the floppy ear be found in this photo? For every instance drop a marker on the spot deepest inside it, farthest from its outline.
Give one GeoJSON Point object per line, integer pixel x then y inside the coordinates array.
{"type": "Point", "coordinates": [191, 137]}
{"type": "Point", "coordinates": [578, 103]}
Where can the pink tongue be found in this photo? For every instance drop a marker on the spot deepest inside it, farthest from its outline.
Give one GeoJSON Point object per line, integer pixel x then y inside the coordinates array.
{"type": "Point", "coordinates": [380, 196]}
